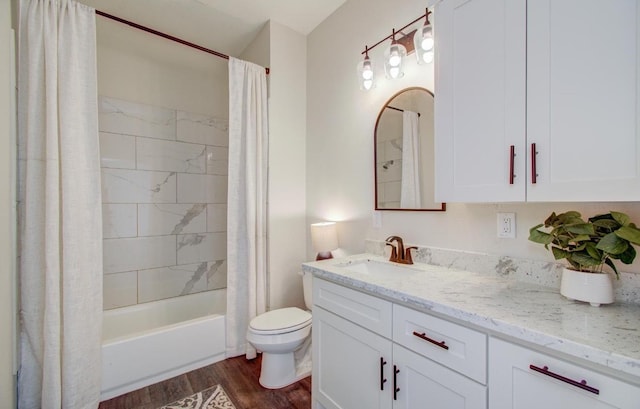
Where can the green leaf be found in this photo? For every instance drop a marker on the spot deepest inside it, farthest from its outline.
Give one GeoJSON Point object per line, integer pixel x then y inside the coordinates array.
{"type": "Point", "coordinates": [606, 224]}
{"type": "Point", "coordinates": [538, 236]}
{"type": "Point", "coordinates": [621, 218]}
{"type": "Point", "coordinates": [613, 267]}
{"type": "Point", "coordinates": [582, 228]}
{"type": "Point", "coordinates": [628, 255]}
{"type": "Point", "coordinates": [584, 259]}
{"type": "Point", "coordinates": [581, 237]}
{"type": "Point", "coordinates": [629, 233]}
{"type": "Point", "coordinates": [559, 254]}
{"type": "Point", "coordinates": [593, 251]}
{"type": "Point", "coordinates": [612, 244]}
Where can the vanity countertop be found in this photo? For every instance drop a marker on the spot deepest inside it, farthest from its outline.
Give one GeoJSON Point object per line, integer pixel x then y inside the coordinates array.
{"type": "Point", "coordinates": [608, 335]}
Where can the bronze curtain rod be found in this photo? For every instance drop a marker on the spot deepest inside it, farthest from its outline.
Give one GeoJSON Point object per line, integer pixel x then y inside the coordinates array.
{"type": "Point", "coordinates": [164, 35]}
{"type": "Point", "coordinates": [398, 109]}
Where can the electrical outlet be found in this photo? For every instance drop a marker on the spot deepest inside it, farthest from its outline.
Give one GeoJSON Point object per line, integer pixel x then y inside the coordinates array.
{"type": "Point", "coordinates": [507, 225]}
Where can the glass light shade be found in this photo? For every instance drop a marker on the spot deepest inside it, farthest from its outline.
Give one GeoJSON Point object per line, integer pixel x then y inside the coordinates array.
{"type": "Point", "coordinates": [393, 60]}
{"type": "Point", "coordinates": [423, 42]}
{"type": "Point", "coordinates": [324, 238]}
{"type": "Point", "coordinates": [366, 75]}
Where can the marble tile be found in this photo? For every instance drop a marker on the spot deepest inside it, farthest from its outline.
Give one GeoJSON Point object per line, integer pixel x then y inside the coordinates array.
{"type": "Point", "coordinates": [202, 129]}
{"type": "Point", "coordinates": [217, 160]}
{"type": "Point", "coordinates": [119, 220]}
{"type": "Point", "coordinates": [137, 186]}
{"type": "Point", "coordinates": [153, 154]}
{"type": "Point", "coordinates": [217, 217]}
{"type": "Point", "coordinates": [138, 253]}
{"type": "Point", "coordinates": [392, 191]}
{"type": "Point", "coordinates": [196, 248]}
{"type": "Point", "coordinates": [392, 173]}
{"type": "Point", "coordinates": [131, 118]}
{"type": "Point", "coordinates": [217, 275]}
{"type": "Point", "coordinates": [201, 188]}
{"type": "Point", "coordinates": [393, 149]}
{"type": "Point", "coordinates": [117, 151]}
{"type": "Point", "coordinates": [162, 219]}
{"type": "Point", "coordinates": [120, 290]}
{"type": "Point", "coordinates": [166, 282]}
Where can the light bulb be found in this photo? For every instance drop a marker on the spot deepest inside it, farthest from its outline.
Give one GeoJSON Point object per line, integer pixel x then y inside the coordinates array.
{"type": "Point", "coordinates": [427, 43]}
{"type": "Point", "coordinates": [428, 57]}
{"type": "Point", "coordinates": [367, 84]}
{"type": "Point", "coordinates": [367, 73]}
{"type": "Point", "coordinates": [394, 72]}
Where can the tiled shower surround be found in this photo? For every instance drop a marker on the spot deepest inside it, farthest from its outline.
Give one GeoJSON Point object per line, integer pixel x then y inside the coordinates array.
{"type": "Point", "coordinates": [164, 194]}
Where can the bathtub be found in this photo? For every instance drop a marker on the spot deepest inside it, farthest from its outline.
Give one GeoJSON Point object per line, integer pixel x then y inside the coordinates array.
{"type": "Point", "coordinates": [148, 343]}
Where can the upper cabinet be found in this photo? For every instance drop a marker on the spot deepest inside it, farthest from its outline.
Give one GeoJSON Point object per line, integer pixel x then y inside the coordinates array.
{"type": "Point", "coordinates": [537, 100]}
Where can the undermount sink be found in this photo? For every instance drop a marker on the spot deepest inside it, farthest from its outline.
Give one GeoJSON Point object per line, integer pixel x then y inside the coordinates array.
{"type": "Point", "coordinates": [376, 268]}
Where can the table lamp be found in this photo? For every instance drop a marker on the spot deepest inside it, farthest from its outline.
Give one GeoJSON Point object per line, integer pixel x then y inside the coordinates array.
{"type": "Point", "coordinates": [324, 237]}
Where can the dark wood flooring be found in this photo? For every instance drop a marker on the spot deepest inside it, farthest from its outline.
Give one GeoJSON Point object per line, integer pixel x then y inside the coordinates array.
{"type": "Point", "coordinates": [238, 377]}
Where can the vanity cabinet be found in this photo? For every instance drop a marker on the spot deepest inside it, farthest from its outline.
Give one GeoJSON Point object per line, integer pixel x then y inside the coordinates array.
{"type": "Point", "coordinates": [525, 379]}
{"type": "Point", "coordinates": [537, 100]}
{"type": "Point", "coordinates": [363, 359]}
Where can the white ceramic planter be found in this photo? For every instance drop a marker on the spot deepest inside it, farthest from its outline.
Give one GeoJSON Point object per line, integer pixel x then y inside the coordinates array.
{"type": "Point", "coordinates": [593, 288]}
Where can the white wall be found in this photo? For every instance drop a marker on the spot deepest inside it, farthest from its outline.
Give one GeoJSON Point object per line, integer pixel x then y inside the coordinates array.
{"type": "Point", "coordinates": [7, 220]}
{"type": "Point", "coordinates": [140, 67]}
{"type": "Point", "coordinates": [287, 133]}
{"type": "Point", "coordinates": [340, 124]}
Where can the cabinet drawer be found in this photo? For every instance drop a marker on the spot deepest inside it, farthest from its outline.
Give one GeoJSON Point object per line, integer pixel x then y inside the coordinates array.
{"type": "Point", "coordinates": [461, 349]}
{"type": "Point", "coordinates": [515, 382]}
{"type": "Point", "coordinates": [365, 310]}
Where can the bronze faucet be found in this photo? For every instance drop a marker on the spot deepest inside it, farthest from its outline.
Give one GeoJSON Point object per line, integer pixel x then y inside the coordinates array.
{"type": "Point", "coordinates": [398, 252]}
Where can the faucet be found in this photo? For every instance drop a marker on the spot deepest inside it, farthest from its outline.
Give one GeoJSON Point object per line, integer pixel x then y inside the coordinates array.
{"type": "Point", "coordinates": [398, 253]}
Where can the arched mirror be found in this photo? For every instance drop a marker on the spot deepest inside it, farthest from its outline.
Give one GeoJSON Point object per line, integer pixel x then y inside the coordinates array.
{"type": "Point", "coordinates": [404, 170]}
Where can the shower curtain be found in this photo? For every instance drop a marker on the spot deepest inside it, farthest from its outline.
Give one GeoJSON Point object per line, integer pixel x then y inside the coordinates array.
{"type": "Point", "coordinates": [410, 188]}
{"type": "Point", "coordinates": [60, 207]}
{"type": "Point", "coordinates": [247, 203]}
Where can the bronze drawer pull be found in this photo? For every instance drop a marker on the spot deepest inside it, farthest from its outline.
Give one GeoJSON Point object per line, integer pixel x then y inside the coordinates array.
{"type": "Point", "coordinates": [382, 378]}
{"type": "Point", "coordinates": [582, 384]}
{"type": "Point", "coordinates": [441, 344]}
{"type": "Point", "coordinates": [396, 371]}
{"type": "Point", "coordinates": [512, 155]}
{"type": "Point", "coordinates": [534, 167]}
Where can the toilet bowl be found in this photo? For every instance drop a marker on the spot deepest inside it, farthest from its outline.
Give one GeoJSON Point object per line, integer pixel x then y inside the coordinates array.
{"type": "Point", "coordinates": [278, 334]}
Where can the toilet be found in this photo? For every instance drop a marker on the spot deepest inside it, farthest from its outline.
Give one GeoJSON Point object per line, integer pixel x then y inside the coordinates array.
{"type": "Point", "coordinates": [278, 334]}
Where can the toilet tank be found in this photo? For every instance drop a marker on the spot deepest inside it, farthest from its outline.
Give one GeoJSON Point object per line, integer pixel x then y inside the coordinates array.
{"type": "Point", "coordinates": [307, 279]}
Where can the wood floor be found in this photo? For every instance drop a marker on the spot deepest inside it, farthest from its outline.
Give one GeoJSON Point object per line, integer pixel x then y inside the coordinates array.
{"type": "Point", "coordinates": [238, 377]}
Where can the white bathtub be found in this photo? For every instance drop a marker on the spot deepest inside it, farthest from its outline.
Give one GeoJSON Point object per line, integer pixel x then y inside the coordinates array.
{"type": "Point", "coordinates": [147, 343]}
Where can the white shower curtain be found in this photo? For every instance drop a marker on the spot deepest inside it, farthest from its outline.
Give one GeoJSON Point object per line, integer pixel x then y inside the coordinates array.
{"type": "Point", "coordinates": [60, 209]}
{"type": "Point", "coordinates": [410, 187]}
{"type": "Point", "coordinates": [247, 202]}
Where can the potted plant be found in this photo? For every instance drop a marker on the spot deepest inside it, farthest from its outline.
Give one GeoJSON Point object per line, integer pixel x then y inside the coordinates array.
{"type": "Point", "coordinates": [588, 246]}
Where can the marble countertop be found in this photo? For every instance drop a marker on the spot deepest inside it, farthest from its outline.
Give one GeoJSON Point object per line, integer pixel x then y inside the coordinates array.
{"type": "Point", "coordinates": [608, 335]}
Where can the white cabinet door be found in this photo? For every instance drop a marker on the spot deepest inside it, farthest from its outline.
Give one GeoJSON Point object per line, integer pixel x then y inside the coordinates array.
{"type": "Point", "coordinates": [518, 379]}
{"type": "Point", "coordinates": [422, 383]}
{"type": "Point", "coordinates": [480, 100]}
{"type": "Point", "coordinates": [582, 99]}
{"type": "Point", "coordinates": [350, 365]}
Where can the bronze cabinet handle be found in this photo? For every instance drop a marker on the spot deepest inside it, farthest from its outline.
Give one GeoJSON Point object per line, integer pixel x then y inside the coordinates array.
{"type": "Point", "coordinates": [582, 384]}
{"type": "Point", "coordinates": [423, 336]}
{"type": "Point", "coordinates": [395, 382]}
{"type": "Point", "coordinates": [534, 170]}
{"type": "Point", "coordinates": [512, 155]}
{"type": "Point", "coordinates": [382, 378]}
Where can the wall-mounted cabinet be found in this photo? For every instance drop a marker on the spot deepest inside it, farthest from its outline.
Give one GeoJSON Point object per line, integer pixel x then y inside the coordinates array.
{"type": "Point", "coordinates": [537, 100]}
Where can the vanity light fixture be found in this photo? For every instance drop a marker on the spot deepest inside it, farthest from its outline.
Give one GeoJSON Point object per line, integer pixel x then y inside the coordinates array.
{"type": "Point", "coordinates": [423, 41]}
{"type": "Point", "coordinates": [366, 73]}
{"type": "Point", "coordinates": [394, 56]}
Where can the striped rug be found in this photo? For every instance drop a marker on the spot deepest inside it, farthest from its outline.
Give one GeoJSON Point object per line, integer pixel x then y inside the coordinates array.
{"type": "Point", "coordinates": [211, 398]}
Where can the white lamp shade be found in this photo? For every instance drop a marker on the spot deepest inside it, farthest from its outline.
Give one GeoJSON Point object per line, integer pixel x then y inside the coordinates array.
{"type": "Point", "coordinates": [324, 236]}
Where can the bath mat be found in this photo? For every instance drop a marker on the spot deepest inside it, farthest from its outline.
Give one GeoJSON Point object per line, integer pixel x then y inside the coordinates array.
{"type": "Point", "coordinates": [211, 398]}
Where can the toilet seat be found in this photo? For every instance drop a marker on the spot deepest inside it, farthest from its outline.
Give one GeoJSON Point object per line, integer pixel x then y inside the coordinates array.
{"type": "Point", "coordinates": [280, 321]}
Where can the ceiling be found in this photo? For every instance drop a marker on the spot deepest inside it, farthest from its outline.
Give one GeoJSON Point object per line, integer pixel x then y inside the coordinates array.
{"type": "Point", "coordinates": [227, 26]}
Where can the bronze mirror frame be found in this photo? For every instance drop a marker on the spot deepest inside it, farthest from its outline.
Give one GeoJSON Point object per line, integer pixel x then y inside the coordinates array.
{"type": "Point", "coordinates": [439, 207]}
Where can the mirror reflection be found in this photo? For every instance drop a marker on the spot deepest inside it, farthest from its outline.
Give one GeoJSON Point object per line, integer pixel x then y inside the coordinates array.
{"type": "Point", "coordinates": [404, 170]}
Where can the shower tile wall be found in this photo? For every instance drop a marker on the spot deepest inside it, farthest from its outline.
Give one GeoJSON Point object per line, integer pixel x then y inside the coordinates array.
{"type": "Point", "coordinates": [164, 194]}
{"type": "Point", "coordinates": [389, 159]}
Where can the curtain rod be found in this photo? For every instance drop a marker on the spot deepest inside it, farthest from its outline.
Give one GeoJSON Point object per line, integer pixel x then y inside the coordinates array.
{"type": "Point", "coordinates": [164, 35]}
{"type": "Point", "coordinates": [398, 109]}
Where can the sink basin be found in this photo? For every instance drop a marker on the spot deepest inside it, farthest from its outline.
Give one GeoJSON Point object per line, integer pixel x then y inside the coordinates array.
{"type": "Point", "coordinates": [376, 268]}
